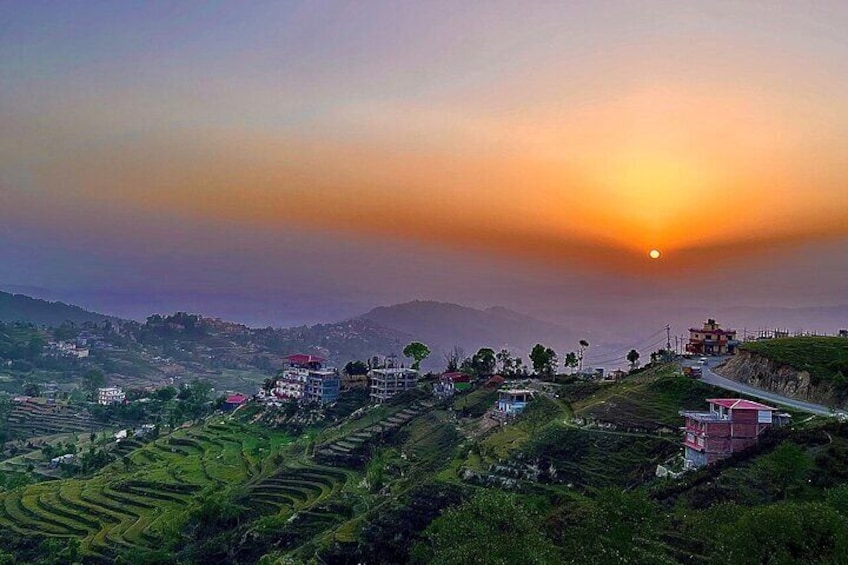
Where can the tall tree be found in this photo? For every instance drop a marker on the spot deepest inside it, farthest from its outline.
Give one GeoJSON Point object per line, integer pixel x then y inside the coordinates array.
{"type": "Point", "coordinates": [416, 351]}
{"type": "Point", "coordinates": [570, 360]}
{"type": "Point", "coordinates": [483, 362]}
{"type": "Point", "coordinates": [544, 360]}
{"type": "Point", "coordinates": [633, 358]}
{"type": "Point", "coordinates": [453, 358]}
{"type": "Point", "coordinates": [581, 350]}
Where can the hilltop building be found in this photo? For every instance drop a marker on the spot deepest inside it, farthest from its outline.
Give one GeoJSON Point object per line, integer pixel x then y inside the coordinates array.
{"type": "Point", "coordinates": [385, 383]}
{"type": "Point", "coordinates": [511, 403]}
{"type": "Point", "coordinates": [712, 340]}
{"type": "Point", "coordinates": [731, 425]}
{"type": "Point", "coordinates": [110, 395]}
{"type": "Point", "coordinates": [305, 379]}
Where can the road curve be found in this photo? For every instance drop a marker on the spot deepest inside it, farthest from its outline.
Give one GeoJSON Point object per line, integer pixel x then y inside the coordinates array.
{"type": "Point", "coordinates": [710, 377]}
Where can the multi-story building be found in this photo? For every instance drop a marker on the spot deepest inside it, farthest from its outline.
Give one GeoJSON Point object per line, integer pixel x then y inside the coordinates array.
{"type": "Point", "coordinates": [385, 383]}
{"type": "Point", "coordinates": [304, 378]}
{"type": "Point", "coordinates": [110, 395]}
{"type": "Point", "coordinates": [731, 425]}
{"type": "Point", "coordinates": [712, 340]}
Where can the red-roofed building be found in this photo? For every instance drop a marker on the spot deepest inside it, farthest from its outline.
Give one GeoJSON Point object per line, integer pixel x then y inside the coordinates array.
{"type": "Point", "coordinates": [233, 401]}
{"type": "Point", "coordinates": [450, 383]}
{"type": "Point", "coordinates": [712, 340]}
{"type": "Point", "coordinates": [731, 425]}
{"type": "Point", "coordinates": [304, 361]}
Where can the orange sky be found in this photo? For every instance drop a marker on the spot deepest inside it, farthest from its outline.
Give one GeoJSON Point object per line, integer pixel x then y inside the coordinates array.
{"type": "Point", "coordinates": [562, 135]}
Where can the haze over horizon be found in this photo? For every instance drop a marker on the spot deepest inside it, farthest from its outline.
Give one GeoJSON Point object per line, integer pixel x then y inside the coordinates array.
{"type": "Point", "coordinates": [293, 162]}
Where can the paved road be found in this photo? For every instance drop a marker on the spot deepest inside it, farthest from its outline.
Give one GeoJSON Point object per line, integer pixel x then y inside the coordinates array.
{"type": "Point", "coordinates": [712, 378]}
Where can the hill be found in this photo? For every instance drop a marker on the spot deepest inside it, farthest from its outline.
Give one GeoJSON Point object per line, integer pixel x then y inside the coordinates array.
{"type": "Point", "coordinates": [443, 325]}
{"type": "Point", "coordinates": [382, 484]}
{"type": "Point", "coordinates": [807, 368]}
{"type": "Point", "coordinates": [20, 308]}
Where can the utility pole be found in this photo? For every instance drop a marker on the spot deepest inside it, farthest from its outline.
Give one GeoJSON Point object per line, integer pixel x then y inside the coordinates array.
{"type": "Point", "coordinates": [668, 337]}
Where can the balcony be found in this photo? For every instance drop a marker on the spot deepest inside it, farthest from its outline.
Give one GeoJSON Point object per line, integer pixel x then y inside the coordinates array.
{"type": "Point", "coordinates": [704, 416]}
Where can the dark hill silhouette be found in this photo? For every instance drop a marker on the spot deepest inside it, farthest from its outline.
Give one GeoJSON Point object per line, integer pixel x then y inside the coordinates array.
{"type": "Point", "coordinates": [20, 308]}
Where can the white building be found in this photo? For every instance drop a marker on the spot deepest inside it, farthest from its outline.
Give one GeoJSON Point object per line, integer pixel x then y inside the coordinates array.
{"type": "Point", "coordinates": [110, 395]}
{"type": "Point", "coordinates": [385, 383]}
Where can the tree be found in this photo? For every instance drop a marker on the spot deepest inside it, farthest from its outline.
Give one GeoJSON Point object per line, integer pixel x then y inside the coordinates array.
{"type": "Point", "coordinates": [165, 394]}
{"type": "Point", "coordinates": [492, 527]}
{"type": "Point", "coordinates": [571, 360]}
{"type": "Point", "coordinates": [505, 362]}
{"type": "Point", "coordinates": [544, 360]}
{"type": "Point", "coordinates": [633, 358]}
{"type": "Point", "coordinates": [32, 389]}
{"type": "Point", "coordinates": [93, 380]}
{"type": "Point", "coordinates": [483, 362]}
{"type": "Point", "coordinates": [417, 351]}
{"type": "Point", "coordinates": [581, 350]}
{"type": "Point", "coordinates": [453, 358]}
{"type": "Point", "coordinates": [353, 368]}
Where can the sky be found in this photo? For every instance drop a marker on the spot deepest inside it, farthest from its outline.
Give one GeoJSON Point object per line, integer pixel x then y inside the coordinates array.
{"type": "Point", "coordinates": [296, 162]}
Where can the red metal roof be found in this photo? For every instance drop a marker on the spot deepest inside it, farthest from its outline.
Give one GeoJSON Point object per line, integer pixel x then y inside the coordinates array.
{"type": "Point", "coordinates": [303, 358]}
{"type": "Point", "coordinates": [457, 377]}
{"type": "Point", "coordinates": [236, 399]}
{"type": "Point", "coordinates": [739, 404]}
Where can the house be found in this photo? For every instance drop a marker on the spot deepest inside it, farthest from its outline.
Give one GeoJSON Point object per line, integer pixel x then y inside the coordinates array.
{"type": "Point", "coordinates": [511, 403]}
{"type": "Point", "coordinates": [233, 401]}
{"type": "Point", "coordinates": [494, 382]}
{"type": "Point", "coordinates": [385, 383]}
{"type": "Point", "coordinates": [712, 340]}
{"type": "Point", "coordinates": [110, 395]}
{"type": "Point", "coordinates": [730, 425]}
{"type": "Point", "coordinates": [616, 375]}
{"type": "Point", "coordinates": [66, 459]}
{"type": "Point", "coordinates": [451, 383]}
{"type": "Point", "coordinates": [305, 379]}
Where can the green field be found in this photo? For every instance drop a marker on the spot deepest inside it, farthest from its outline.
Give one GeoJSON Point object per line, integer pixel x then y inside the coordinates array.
{"type": "Point", "coordinates": [823, 357]}
{"type": "Point", "coordinates": [132, 503]}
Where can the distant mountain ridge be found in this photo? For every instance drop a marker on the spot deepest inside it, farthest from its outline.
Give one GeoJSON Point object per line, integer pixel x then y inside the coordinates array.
{"type": "Point", "coordinates": [21, 308]}
{"type": "Point", "coordinates": [443, 325]}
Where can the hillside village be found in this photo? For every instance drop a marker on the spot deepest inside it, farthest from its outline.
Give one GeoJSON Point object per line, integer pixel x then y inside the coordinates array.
{"type": "Point", "coordinates": [314, 441]}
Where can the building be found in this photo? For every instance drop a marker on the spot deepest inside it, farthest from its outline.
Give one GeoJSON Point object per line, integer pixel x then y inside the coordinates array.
{"type": "Point", "coordinates": [451, 383]}
{"type": "Point", "coordinates": [731, 425]}
{"type": "Point", "coordinates": [512, 402]}
{"type": "Point", "coordinates": [305, 379]}
{"type": "Point", "coordinates": [323, 386]}
{"type": "Point", "coordinates": [385, 383]}
{"type": "Point", "coordinates": [110, 395]}
{"type": "Point", "coordinates": [712, 340]}
{"type": "Point", "coordinates": [233, 401]}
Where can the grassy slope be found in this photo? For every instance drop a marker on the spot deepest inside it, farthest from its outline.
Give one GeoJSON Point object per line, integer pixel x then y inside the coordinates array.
{"type": "Point", "coordinates": [822, 357]}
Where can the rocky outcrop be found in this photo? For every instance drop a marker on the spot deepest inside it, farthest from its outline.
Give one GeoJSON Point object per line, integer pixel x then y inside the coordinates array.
{"type": "Point", "coordinates": [757, 370]}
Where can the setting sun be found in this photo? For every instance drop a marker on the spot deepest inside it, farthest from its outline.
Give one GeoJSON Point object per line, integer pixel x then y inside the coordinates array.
{"type": "Point", "coordinates": [654, 254]}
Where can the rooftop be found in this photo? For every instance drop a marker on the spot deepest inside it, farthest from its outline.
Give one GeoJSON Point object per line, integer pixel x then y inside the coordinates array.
{"type": "Point", "coordinates": [303, 358]}
{"type": "Point", "coordinates": [739, 404]}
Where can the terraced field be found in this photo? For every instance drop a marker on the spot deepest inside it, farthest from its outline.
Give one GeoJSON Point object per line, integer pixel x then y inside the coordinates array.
{"type": "Point", "coordinates": [30, 419]}
{"type": "Point", "coordinates": [352, 448]}
{"type": "Point", "coordinates": [152, 486]}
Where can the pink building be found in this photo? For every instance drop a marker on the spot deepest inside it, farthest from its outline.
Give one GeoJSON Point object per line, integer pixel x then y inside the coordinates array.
{"type": "Point", "coordinates": [731, 425]}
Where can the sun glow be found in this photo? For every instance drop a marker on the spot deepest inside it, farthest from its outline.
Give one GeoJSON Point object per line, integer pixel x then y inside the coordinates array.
{"type": "Point", "coordinates": [654, 254]}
